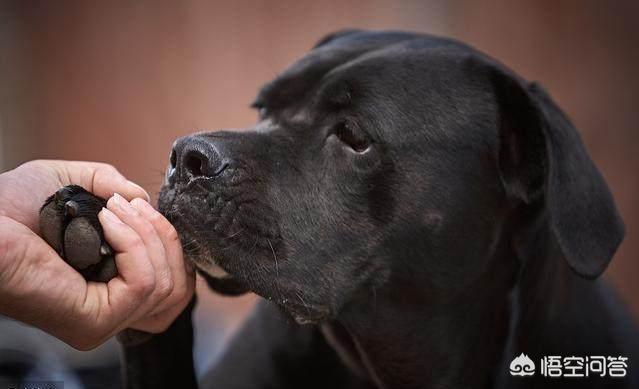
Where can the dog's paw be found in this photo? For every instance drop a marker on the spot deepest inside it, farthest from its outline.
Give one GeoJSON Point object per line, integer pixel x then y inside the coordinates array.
{"type": "Point", "coordinates": [69, 223]}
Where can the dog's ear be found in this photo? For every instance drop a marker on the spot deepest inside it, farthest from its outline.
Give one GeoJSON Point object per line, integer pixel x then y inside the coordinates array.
{"type": "Point", "coordinates": [335, 35]}
{"type": "Point", "coordinates": [542, 158]}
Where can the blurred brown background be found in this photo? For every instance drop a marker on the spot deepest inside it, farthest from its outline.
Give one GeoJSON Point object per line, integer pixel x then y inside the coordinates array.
{"type": "Point", "coordinates": [118, 81]}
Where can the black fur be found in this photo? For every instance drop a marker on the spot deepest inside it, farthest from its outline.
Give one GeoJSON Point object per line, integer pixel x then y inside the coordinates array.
{"type": "Point", "coordinates": [429, 214]}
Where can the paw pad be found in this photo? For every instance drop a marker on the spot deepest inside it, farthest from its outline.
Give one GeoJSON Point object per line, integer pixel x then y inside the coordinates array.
{"type": "Point", "coordinates": [69, 223]}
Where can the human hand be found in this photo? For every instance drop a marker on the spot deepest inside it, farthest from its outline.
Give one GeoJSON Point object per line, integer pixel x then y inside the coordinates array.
{"type": "Point", "coordinates": [37, 287]}
{"type": "Point", "coordinates": [24, 189]}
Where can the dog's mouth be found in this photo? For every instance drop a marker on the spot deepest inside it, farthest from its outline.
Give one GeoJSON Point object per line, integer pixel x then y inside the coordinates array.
{"type": "Point", "coordinates": [210, 267]}
{"type": "Point", "coordinates": [228, 238]}
{"type": "Point", "coordinates": [218, 278]}
{"type": "Point", "coordinates": [237, 248]}
{"type": "Point", "coordinates": [200, 255]}
{"type": "Point", "coordinates": [305, 313]}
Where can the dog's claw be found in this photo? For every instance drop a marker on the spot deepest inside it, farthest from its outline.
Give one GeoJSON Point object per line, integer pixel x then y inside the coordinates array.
{"type": "Point", "coordinates": [59, 194]}
{"type": "Point", "coordinates": [105, 250]}
{"type": "Point", "coordinates": [71, 207]}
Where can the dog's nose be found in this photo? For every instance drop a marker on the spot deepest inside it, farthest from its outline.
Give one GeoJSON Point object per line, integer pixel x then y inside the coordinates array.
{"type": "Point", "coordinates": [193, 157]}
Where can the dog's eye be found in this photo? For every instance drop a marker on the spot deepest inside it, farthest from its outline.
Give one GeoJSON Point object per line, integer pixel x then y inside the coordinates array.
{"type": "Point", "coordinates": [352, 137]}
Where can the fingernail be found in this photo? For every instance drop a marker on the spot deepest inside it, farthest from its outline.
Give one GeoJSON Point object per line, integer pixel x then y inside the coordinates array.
{"type": "Point", "coordinates": [110, 216]}
{"type": "Point", "coordinates": [146, 195]}
{"type": "Point", "coordinates": [123, 205]}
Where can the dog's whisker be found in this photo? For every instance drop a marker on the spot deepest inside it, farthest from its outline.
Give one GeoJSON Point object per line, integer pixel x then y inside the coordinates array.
{"type": "Point", "coordinates": [235, 234]}
{"type": "Point", "coordinates": [299, 296]}
{"type": "Point", "coordinates": [277, 270]}
{"type": "Point", "coordinates": [257, 239]}
{"type": "Point", "coordinates": [190, 247]}
{"type": "Point", "coordinates": [203, 231]}
{"type": "Point", "coordinates": [230, 246]}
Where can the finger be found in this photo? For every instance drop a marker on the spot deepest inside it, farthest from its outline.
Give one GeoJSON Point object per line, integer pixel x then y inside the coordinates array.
{"type": "Point", "coordinates": [136, 275]}
{"type": "Point", "coordinates": [183, 274]}
{"type": "Point", "coordinates": [154, 247]}
{"type": "Point", "coordinates": [98, 178]}
{"type": "Point", "coordinates": [107, 181]}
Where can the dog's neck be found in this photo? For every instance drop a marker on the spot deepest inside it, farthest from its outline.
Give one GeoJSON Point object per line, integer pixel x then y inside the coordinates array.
{"type": "Point", "coordinates": [411, 343]}
{"type": "Point", "coordinates": [469, 340]}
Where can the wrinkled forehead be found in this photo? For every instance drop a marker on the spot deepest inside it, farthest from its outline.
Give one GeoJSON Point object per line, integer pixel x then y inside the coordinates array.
{"type": "Point", "coordinates": [398, 83]}
{"type": "Point", "coordinates": [331, 56]}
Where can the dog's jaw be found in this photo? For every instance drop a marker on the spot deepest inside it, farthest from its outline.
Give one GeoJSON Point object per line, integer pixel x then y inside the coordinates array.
{"type": "Point", "coordinates": [208, 266]}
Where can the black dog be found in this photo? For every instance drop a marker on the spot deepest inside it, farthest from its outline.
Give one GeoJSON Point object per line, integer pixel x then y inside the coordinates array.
{"type": "Point", "coordinates": [427, 212]}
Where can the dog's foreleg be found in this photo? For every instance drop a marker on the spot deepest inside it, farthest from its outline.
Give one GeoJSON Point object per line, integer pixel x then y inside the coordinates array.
{"type": "Point", "coordinates": [164, 360]}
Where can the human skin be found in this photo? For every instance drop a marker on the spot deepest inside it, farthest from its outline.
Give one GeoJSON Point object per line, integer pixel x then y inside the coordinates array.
{"type": "Point", "coordinates": [38, 288]}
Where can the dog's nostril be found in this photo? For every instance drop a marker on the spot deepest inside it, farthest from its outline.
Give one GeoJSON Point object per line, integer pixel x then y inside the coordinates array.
{"type": "Point", "coordinates": [195, 163]}
{"type": "Point", "coordinates": [173, 159]}
{"type": "Point", "coordinates": [194, 157]}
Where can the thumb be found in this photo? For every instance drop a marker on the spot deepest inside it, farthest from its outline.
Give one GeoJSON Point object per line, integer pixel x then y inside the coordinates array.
{"type": "Point", "coordinates": [100, 179]}
{"type": "Point", "coordinates": [107, 181]}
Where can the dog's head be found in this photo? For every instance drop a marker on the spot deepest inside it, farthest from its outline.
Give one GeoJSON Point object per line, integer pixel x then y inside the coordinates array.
{"type": "Point", "coordinates": [383, 156]}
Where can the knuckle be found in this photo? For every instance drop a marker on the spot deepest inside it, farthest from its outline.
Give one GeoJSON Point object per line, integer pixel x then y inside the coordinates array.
{"type": "Point", "coordinates": [148, 285]}
{"type": "Point", "coordinates": [139, 202]}
{"type": "Point", "coordinates": [31, 164]}
{"type": "Point", "coordinates": [136, 243]}
{"type": "Point", "coordinates": [145, 285]}
{"type": "Point", "coordinates": [101, 173]}
{"type": "Point", "coordinates": [136, 201]}
{"type": "Point", "coordinates": [165, 287]}
{"type": "Point", "coordinates": [107, 168]}
{"type": "Point", "coordinates": [145, 228]}
{"type": "Point", "coordinates": [185, 295]}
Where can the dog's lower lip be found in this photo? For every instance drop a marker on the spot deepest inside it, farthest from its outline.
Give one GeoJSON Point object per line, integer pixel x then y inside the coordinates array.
{"type": "Point", "coordinates": [210, 268]}
{"type": "Point", "coordinates": [202, 263]}
{"type": "Point", "coordinates": [306, 313]}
